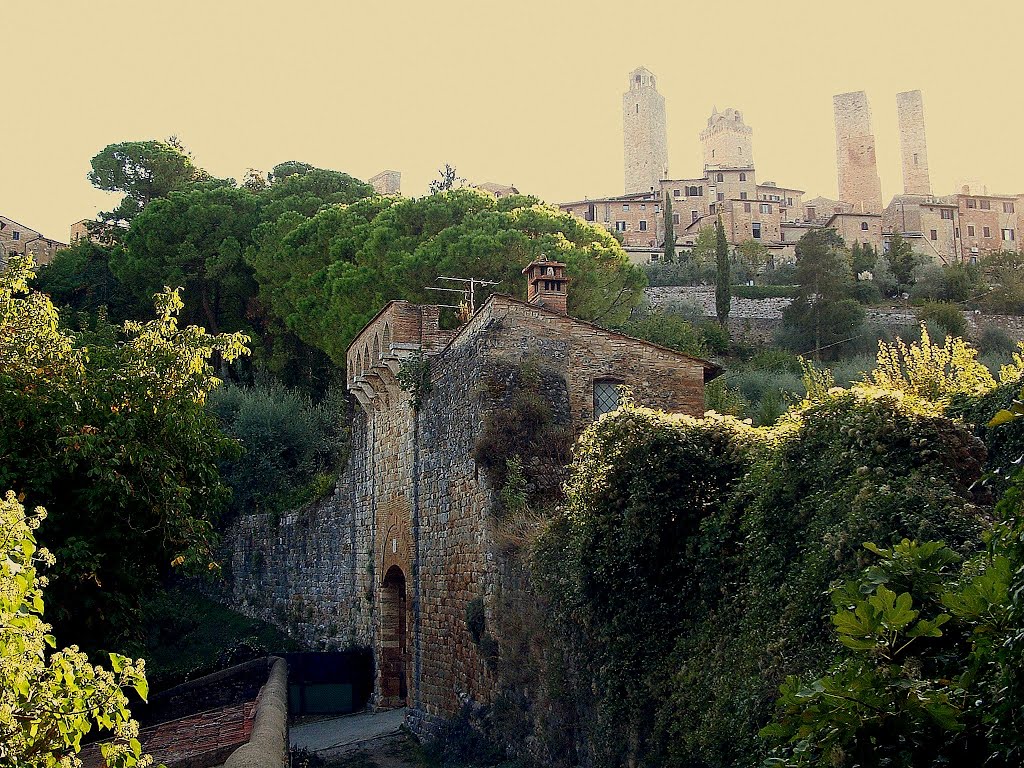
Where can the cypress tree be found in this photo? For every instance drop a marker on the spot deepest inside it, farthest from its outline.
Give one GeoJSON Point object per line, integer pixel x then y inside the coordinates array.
{"type": "Point", "coordinates": [723, 291]}
{"type": "Point", "coordinates": [670, 232]}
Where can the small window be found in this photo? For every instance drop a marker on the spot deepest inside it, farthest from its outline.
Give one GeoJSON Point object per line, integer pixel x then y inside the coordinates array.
{"type": "Point", "coordinates": [743, 177]}
{"type": "Point", "coordinates": [720, 177]}
{"type": "Point", "coordinates": [970, 230]}
{"type": "Point", "coordinates": [1008, 235]}
{"type": "Point", "coordinates": [743, 195]}
{"type": "Point", "coordinates": [789, 201]}
{"type": "Point", "coordinates": [720, 196]}
{"type": "Point", "coordinates": [974, 260]}
{"type": "Point", "coordinates": [986, 232]}
{"type": "Point", "coordinates": [643, 206]}
{"type": "Point", "coordinates": [864, 226]}
{"type": "Point", "coordinates": [643, 226]}
{"type": "Point", "coordinates": [675, 193]}
{"type": "Point", "coordinates": [606, 396]}
{"type": "Point", "coordinates": [711, 208]}
{"type": "Point", "coordinates": [934, 234]}
{"type": "Point", "coordinates": [694, 215]}
{"type": "Point", "coordinates": [16, 235]}
{"type": "Point", "coordinates": [756, 229]}
{"type": "Point", "coordinates": [746, 207]}
{"type": "Point", "coordinates": [675, 218]}
{"type": "Point", "coordinates": [811, 213]}
{"type": "Point", "coordinates": [657, 209]}
{"type": "Point", "coordinates": [625, 206]}
{"type": "Point", "coordinates": [986, 205]}
{"type": "Point", "coordinates": [947, 214]}
{"type": "Point", "coordinates": [972, 203]}
{"type": "Point", "coordinates": [766, 207]}
{"type": "Point", "coordinates": [915, 158]}
{"type": "Point", "coordinates": [620, 226]}
{"type": "Point", "coordinates": [1007, 207]}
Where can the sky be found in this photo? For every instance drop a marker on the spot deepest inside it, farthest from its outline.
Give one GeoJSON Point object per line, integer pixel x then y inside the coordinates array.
{"type": "Point", "coordinates": [525, 93]}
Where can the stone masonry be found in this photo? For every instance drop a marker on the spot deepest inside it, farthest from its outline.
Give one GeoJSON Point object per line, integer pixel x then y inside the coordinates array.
{"type": "Point", "coordinates": [394, 558]}
{"type": "Point", "coordinates": [913, 147]}
{"type": "Point", "coordinates": [645, 134]}
{"type": "Point", "coordinates": [859, 183]}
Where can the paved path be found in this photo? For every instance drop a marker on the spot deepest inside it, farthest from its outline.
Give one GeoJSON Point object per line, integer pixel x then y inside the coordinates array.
{"type": "Point", "coordinates": [345, 731]}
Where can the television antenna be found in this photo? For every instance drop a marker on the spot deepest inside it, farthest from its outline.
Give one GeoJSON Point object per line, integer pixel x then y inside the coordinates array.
{"type": "Point", "coordinates": [468, 291]}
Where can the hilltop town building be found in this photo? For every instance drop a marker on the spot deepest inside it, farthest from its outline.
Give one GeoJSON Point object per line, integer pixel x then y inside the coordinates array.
{"type": "Point", "coordinates": [960, 227]}
{"type": "Point", "coordinates": [16, 238]}
{"type": "Point", "coordinates": [913, 147]}
{"type": "Point", "coordinates": [386, 182]}
{"type": "Point", "coordinates": [410, 538]}
{"type": "Point", "coordinates": [859, 183]}
{"type": "Point", "coordinates": [646, 134]}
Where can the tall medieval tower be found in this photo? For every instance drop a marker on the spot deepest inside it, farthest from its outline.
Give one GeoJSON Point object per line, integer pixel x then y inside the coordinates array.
{"type": "Point", "coordinates": [913, 148]}
{"type": "Point", "coordinates": [727, 141]}
{"type": "Point", "coordinates": [645, 138]}
{"type": "Point", "coordinates": [859, 184]}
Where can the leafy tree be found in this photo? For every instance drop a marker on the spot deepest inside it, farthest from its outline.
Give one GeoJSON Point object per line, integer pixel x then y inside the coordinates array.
{"type": "Point", "coordinates": [328, 275]}
{"type": "Point", "coordinates": [902, 260]}
{"type": "Point", "coordinates": [946, 316]}
{"type": "Point", "coordinates": [289, 168]}
{"type": "Point", "coordinates": [754, 256]}
{"type": "Point", "coordinates": [862, 258]}
{"type": "Point", "coordinates": [79, 278]}
{"type": "Point", "coordinates": [820, 316]}
{"type": "Point", "coordinates": [723, 283]}
{"type": "Point", "coordinates": [705, 248]}
{"type": "Point", "coordinates": [308, 190]}
{"type": "Point", "coordinates": [143, 171]}
{"type": "Point", "coordinates": [670, 232]}
{"type": "Point", "coordinates": [50, 700]}
{"type": "Point", "coordinates": [195, 239]}
{"type": "Point", "coordinates": [1005, 275]}
{"type": "Point", "coordinates": [109, 429]}
{"type": "Point", "coordinates": [671, 330]}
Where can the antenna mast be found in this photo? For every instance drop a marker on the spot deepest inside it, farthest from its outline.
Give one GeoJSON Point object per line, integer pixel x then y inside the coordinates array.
{"type": "Point", "coordinates": [468, 290]}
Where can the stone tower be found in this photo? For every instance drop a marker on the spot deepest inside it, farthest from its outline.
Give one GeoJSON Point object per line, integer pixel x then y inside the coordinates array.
{"type": "Point", "coordinates": [645, 138]}
{"type": "Point", "coordinates": [913, 148]}
{"type": "Point", "coordinates": [859, 184]}
{"type": "Point", "coordinates": [727, 141]}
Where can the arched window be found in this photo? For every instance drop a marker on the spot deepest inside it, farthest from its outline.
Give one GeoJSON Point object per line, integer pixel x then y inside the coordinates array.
{"type": "Point", "coordinates": [743, 177]}
{"type": "Point", "coordinates": [721, 177]}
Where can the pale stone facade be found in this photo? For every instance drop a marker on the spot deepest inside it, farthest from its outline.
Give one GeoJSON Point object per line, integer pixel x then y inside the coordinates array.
{"type": "Point", "coordinates": [637, 219]}
{"type": "Point", "coordinates": [498, 190]}
{"type": "Point", "coordinates": [859, 183]}
{"type": "Point", "coordinates": [386, 182]}
{"type": "Point", "coordinates": [16, 238]}
{"type": "Point", "coordinates": [645, 136]}
{"type": "Point", "coordinates": [727, 141]}
{"type": "Point", "coordinates": [913, 146]}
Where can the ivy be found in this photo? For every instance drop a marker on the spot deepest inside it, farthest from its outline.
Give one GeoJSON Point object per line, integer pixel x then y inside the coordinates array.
{"type": "Point", "coordinates": [414, 378]}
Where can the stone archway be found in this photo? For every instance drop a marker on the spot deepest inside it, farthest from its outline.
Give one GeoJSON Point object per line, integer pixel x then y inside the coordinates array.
{"type": "Point", "coordinates": [394, 644]}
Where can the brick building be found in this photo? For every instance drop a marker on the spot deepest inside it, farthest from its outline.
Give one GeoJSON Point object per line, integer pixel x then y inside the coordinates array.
{"type": "Point", "coordinates": [410, 538]}
{"type": "Point", "coordinates": [16, 238]}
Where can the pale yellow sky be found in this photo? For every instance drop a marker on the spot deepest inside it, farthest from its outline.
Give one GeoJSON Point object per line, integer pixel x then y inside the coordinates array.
{"type": "Point", "coordinates": [517, 92]}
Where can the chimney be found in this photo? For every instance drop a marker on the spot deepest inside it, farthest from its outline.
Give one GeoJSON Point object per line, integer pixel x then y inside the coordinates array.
{"type": "Point", "coordinates": [547, 285]}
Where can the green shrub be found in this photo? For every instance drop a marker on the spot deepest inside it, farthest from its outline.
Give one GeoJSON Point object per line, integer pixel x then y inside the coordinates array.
{"type": "Point", "coordinates": [995, 340]}
{"type": "Point", "coordinates": [293, 448]}
{"type": "Point", "coordinates": [865, 292]}
{"type": "Point", "coordinates": [946, 316]}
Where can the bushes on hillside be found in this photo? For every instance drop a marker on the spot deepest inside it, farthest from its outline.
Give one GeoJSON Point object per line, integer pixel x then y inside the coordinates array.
{"type": "Point", "coordinates": [693, 557]}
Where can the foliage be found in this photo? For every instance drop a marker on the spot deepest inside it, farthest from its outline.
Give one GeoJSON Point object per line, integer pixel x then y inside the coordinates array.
{"type": "Point", "coordinates": [669, 329]}
{"type": "Point", "coordinates": [723, 295]}
{"type": "Point", "coordinates": [1004, 272]}
{"type": "Point", "coordinates": [143, 171]}
{"type": "Point", "coordinates": [820, 318]}
{"type": "Point", "coordinates": [930, 371]}
{"type": "Point", "coordinates": [753, 256]}
{"type": "Point", "coordinates": [694, 557]}
{"type": "Point", "coordinates": [447, 179]}
{"type": "Point", "coordinates": [290, 445]}
{"type": "Point", "coordinates": [328, 275]}
{"type": "Point", "coordinates": [995, 340]}
{"type": "Point", "coordinates": [947, 316]}
{"type": "Point", "coordinates": [865, 292]}
{"type": "Point", "coordinates": [79, 278]}
{"type": "Point", "coordinates": [187, 635]}
{"type": "Point", "coordinates": [110, 429]}
{"type": "Point", "coordinates": [902, 260]}
{"type": "Point", "coordinates": [525, 429]}
{"type": "Point", "coordinates": [670, 232]}
{"type": "Point", "coordinates": [50, 700]}
{"type": "Point", "coordinates": [414, 378]}
{"type": "Point", "coordinates": [862, 258]}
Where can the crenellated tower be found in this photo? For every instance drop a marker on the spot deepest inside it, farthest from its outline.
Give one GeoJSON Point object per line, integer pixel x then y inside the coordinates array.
{"type": "Point", "coordinates": [727, 141]}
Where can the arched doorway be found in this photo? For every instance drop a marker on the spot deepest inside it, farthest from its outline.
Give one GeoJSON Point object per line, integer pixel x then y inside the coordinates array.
{"type": "Point", "coordinates": [393, 640]}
